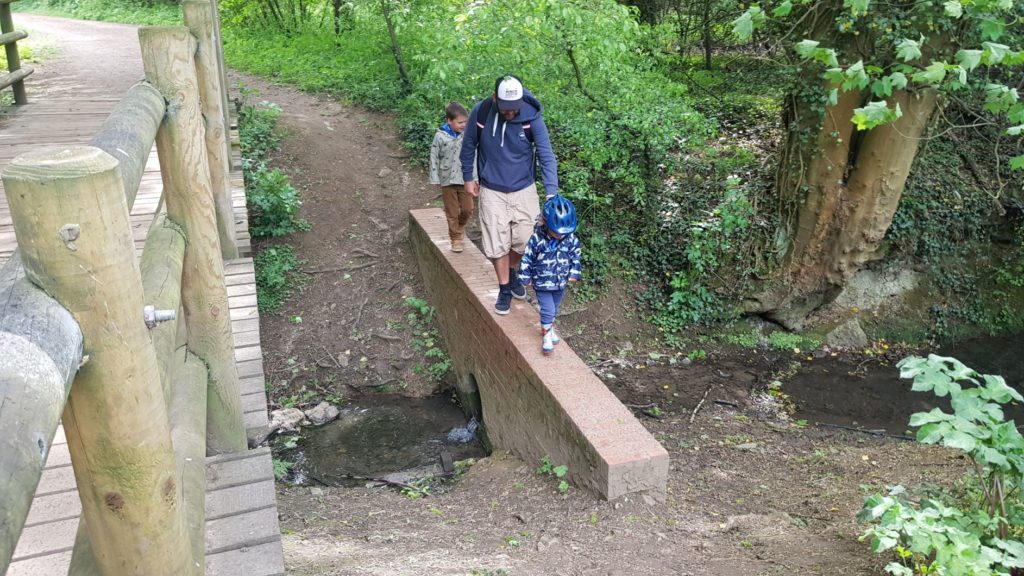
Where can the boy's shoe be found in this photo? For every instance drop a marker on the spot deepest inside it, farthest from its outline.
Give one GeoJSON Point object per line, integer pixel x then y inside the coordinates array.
{"type": "Point", "coordinates": [547, 345]}
{"type": "Point", "coordinates": [554, 337]}
{"type": "Point", "coordinates": [457, 246]}
{"type": "Point", "coordinates": [504, 304]}
{"type": "Point", "coordinates": [518, 290]}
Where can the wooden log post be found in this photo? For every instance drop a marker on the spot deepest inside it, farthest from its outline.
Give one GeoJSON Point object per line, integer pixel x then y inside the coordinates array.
{"type": "Point", "coordinates": [167, 56]}
{"type": "Point", "coordinates": [188, 432]}
{"type": "Point", "coordinates": [162, 260]}
{"type": "Point", "coordinates": [128, 133]}
{"type": "Point", "coordinates": [199, 17]}
{"type": "Point", "coordinates": [71, 221]}
{"type": "Point", "coordinates": [40, 350]}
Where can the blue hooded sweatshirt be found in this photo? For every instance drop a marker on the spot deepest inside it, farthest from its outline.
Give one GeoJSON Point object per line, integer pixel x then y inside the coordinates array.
{"type": "Point", "coordinates": [504, 154]}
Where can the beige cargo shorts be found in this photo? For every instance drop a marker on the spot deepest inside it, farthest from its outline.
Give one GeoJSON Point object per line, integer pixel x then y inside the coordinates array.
{"type": "Point", "coordinates": [507, 219]}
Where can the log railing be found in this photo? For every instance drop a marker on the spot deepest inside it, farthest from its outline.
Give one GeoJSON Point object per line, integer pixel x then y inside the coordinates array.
{"type": "Point", "coordinates": [148, 400]}
{"type": "Point", "coordinates": [16, 74]}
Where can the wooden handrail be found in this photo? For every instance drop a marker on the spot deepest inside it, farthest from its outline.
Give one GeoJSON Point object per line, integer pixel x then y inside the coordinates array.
{"type": "Point", "coordinates": [16, 74]}
{"type": "Point", "coordinates": [42, 349]}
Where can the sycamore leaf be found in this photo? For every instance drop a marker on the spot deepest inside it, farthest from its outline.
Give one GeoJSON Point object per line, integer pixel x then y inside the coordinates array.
{"type": "Point", "coordinates": [960, 440]}
{"type": "Point", "coordinates": [899, 80]}
{"type": "Point", "coordinates": [934, 73]}
{"type": "Point", "coordinates": [1015, 130]}
{"type": "Point", "coordinates": [999, 98]}
{"type": "Point", "coordinates": [994, 53]}
{"type": "Point", "coordinates": [954, 9]}
{"type": "Point", "coordinates": [806, 48]}
{"type": "Point", "coordinates": [1017, 163]}
{"type": "Point", "coordinates": [908, 50]}
{"type": "Point", "coordinates": [833, 97]}
{"type": "Point", "coordinates": [875, 114]}
{"type": "Point", "coordinates": [745, 24]}
{"type": "Point", "coordinates": [857, 6]}
{"type": "Point", "coordinates": [992, 28]}
{"type": "Point", "coordinates": [855, 76]}
{"type": "Point", "coordinates": [783, 10]}
{"type": "Point", "coordinates": [969, 59]}
{"type": "Point", "coordinates": [882, 88]}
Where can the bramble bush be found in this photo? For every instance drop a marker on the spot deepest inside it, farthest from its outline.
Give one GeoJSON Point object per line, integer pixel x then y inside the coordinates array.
{"type": "Point", "coordinates": [980, 532]}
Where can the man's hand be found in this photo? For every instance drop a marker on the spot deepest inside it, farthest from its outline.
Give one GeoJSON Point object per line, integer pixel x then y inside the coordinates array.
{"type": "Point", "coordinates": [473, 187]}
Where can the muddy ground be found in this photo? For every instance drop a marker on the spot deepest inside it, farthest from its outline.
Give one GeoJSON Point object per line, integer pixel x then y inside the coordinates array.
{"type": "Point", "coordinates": [750, 492]}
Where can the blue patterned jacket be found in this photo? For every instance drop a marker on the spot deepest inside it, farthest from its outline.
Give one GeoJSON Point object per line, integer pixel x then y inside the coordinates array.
{"type": "Point", "coordinates": [549, 263]}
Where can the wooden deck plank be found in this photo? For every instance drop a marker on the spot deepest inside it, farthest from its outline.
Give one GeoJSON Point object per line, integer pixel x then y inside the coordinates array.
{"type": "Point", "coordinates": [261, 560]}
{"type": "Point", "coordinates": [242, 530]}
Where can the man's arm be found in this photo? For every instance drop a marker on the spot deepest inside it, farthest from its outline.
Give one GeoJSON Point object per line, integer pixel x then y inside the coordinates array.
{"type": "Point", "coordinates": [467, 156]}
{"type": "Point", "coordinates": [548, 162]}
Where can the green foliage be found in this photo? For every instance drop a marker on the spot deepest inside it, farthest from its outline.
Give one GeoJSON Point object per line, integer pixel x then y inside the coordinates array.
{"type": "Point", "coordinates": [426, 339]}
{"type": "Point", "coordinates": [142, 12]}
{"type": "Point", "coordinates": [273, 202]}
{"type": "Point", "coordinates": [708, 244]}
{"type": "Point", "coordinates": [781, 340]}
{"type": "Point", "coordinates": [547, 468]}
{"type": "Point", "coordinates": [937, 535]}
{"type": "Point", "coordinates": [257, 128]}
{"type": "Point", "coordinates": [282, 468]}
{"type": "Point", "coordinates": [277, 275]}
{"type": "Point", "coordinates": [952, 46]}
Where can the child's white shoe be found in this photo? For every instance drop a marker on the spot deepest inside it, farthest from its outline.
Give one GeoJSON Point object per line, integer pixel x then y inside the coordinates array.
{"type": "Point", "coordinates": [554, 337]}
{"type": "Point", "coordinates": [547, 343]}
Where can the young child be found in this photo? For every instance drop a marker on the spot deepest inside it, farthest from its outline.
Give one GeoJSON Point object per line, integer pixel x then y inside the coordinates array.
{"type": "Point", "coordinates": [550, 262]}
{"type": "Point", "coordinates": [446, 172]}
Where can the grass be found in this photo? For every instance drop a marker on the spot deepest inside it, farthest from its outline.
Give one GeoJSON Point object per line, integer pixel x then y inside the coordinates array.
{"type": "Point", "coordinates": [157, 14]}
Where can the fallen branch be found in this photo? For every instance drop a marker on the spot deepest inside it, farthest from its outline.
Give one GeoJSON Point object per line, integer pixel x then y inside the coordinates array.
{"type": "Point", "coordinates": [699, 404]}
{"type": "Point", "coordinates": [865, 431]}
{"type": "Point", "coordinates": [388, 337]}
{"type": "Point", "coordinates": [359, 314]}
{"type": "Point", "coordinates": [365, 252]}
{"type": "Point", "coordinates": [726, 403]}
{"type": "Point", "coordinates": [341, 268]}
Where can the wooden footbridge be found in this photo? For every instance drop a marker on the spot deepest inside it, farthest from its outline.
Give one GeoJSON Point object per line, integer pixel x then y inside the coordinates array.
{"type": "Point", "coordinates": [130, 365]}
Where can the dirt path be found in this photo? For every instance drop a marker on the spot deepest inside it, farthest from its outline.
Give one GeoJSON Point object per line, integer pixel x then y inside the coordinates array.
{"type": "Point", "coordinates": [89, 58]}
{"type": "Point", "coordinates": [748, 494]}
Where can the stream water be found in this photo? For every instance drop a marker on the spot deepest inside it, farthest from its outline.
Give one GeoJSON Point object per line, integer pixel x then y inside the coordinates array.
{"type": "Point", "coordinates": [874, 398]}
{"type": "Point", "coordinates": [379, 436]}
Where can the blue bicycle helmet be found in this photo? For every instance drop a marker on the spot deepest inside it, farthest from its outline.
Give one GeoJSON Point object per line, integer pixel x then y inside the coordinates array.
{"type": "Point", "coordinates": [560, 215]}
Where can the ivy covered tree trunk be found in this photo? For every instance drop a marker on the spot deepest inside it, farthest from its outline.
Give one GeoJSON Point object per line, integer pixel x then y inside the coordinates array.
{"type": "Point", "coordinates": [839, 189]}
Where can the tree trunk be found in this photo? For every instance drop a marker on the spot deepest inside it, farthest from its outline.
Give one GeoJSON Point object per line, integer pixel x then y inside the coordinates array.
{"type": "Point", "coordinates": [707, 35]}
{"type": "Point", "coordinates": [839, 193]}
{"type": "Point", "coordinates": [385, 7]}
{"type": "Point", "coordinates": [336, 8]}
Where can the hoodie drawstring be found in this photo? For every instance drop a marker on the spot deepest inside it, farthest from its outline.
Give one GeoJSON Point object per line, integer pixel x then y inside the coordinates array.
{"type": "Point", "coordinates": [494, 129]}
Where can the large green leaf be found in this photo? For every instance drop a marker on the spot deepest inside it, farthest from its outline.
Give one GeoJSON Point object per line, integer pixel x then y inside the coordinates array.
{"type": "Point", "coordinates": [994, 53]}
{"type": "Point", "coordinates": [934, 73]}
{"type": "Point", "coordinates": [875, 114]}
{"type": "Point", "coordinates": [953, 8]}
{"type": "Point", "coordinates": [969, 59]}
{"type": "Point", "coordinates": [935, 415]}
{"type": "Point", "coordinates": [783, 10]}
{"type": "Point", "coordinates": [1017, 162]}
{"type": "Point", "coordinates": [744, 25]}
{"type": "Point", "coordinates": [806, 47]}
{"type": "Point", "coordinates": [908, 50]}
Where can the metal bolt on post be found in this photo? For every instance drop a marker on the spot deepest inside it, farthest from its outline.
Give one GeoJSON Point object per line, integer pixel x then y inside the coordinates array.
{"type": "Point", "coordinates": [153, 316]}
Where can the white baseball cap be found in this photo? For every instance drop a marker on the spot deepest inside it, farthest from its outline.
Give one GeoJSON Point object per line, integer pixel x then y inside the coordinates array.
{"type": "Point", "coordinates": [510, 94]}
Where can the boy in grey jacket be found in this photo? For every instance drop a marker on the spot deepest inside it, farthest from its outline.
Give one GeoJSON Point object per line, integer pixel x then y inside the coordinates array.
{"type": "Point", "coordinates": [446, 172]}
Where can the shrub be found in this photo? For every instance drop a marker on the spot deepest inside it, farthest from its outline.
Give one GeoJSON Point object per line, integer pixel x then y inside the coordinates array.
{"type": "Point", "coordinates": [940, 535]}
{"type": "Point", "coordinates": [274, 203]}
{"type": "Point", "coordinates": [277, 274]}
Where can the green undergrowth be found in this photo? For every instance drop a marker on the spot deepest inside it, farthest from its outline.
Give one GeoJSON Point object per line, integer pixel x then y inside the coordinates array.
{"type": "Point", "coordinates": [141, 12]}
{"type": "Point", "coordinates": [273, 204]}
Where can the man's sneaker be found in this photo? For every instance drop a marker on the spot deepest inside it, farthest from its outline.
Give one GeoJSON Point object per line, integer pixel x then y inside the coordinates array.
{"type": "Point", "coordinates": [518, 290]}
{"type": "Point", "coordinates": [504, 304]}
{"type": "Point", "coordinates": [547, 345]}
{"type": "Point", "coordinates": [554, 337]}
{"type": "Point", "coordinates": [457, 246]}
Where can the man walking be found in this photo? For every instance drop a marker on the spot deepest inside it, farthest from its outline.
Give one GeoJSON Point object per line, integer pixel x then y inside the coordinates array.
{"type": "Point", "coordinates": [506, 135]}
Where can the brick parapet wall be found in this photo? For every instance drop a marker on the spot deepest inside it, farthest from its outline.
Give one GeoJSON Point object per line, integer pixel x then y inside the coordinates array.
{"type": "Point", "coordinates": [533, 405]}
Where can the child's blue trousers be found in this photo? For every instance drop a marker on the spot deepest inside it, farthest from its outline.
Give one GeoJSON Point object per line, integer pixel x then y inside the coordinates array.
{"type": "Point", "coordinates": [550, 301]}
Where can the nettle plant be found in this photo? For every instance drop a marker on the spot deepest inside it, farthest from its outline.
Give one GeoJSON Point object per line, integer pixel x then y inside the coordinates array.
{"type": "Point", "coordinates": [940, 535]}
